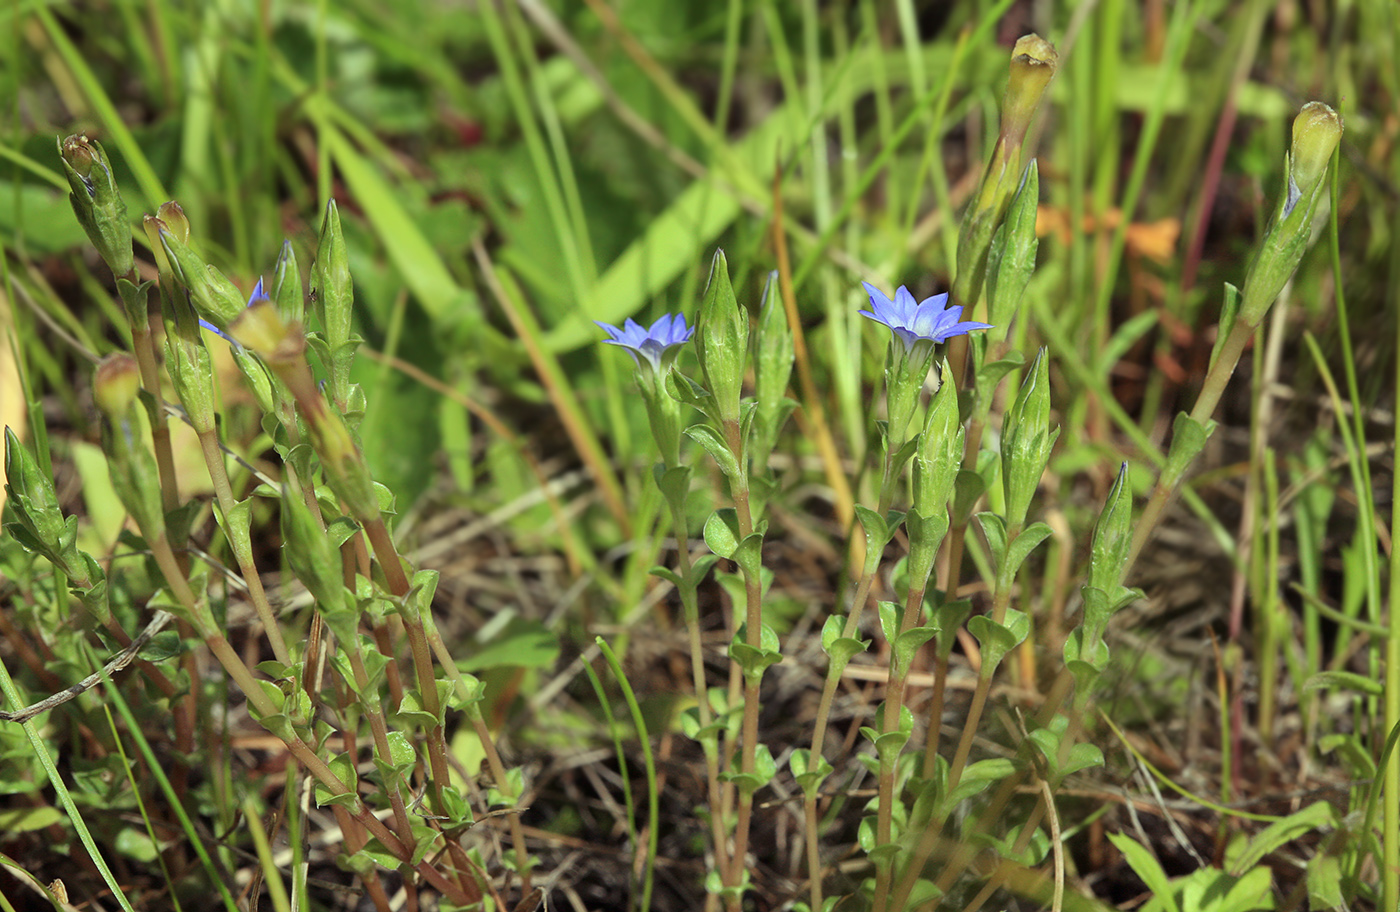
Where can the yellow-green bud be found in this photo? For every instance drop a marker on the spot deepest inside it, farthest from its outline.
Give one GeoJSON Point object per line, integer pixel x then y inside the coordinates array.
{"type": "Point", "coordinates": [116, 383]}
{"type": "Point", "coordinates": [1316, 131]}
{"type": "Point", "coordinates": [1033, 63]}
{"type": "Point", "coordinates": [260, 328]}
{"type": "Point", "coordinates": [97, 202]}
{"type": "Point", "coordinates": [79, 155]}
{"type": "Point", "coordinates": [175, 219]}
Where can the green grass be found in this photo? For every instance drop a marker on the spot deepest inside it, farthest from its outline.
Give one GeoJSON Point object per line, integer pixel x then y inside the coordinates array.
{"type": "Point", "coordinates": [506, 175]}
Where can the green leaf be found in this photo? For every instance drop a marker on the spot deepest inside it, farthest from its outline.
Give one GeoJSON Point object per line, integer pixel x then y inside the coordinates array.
{"type": "Point", "coordinates": [519, 643]}
{"type": "Point", "coordinates": [1344, 680]}
{"type": "Point", "coordinates": [722, 532]}
{"type": "Point", "coordinates": [716, 446]}
{"type": "Point", "coordinates": [996, 639]}
{"type": "Point", "coordinates": [1145, 865]}
{"type": "Point", "coordinates": [1189, 437]}
{"type": "Point", "coordinates": [978, 776]}
{"type": "Point", "coordinates": [753, 660]}
{"type": "Point", "coordinates": [1020, 549]}
{"type": "Point", "coordinates": [1317, 815]}
{"type": "Point", "coordinates": [994, 529]}
{"type": "Point", "coordinates": [840, 649]}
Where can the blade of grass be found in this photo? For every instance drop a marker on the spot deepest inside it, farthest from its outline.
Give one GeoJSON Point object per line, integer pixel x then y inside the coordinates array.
{"type": "Point", "coordinates": [75, 816]}
{"type": "Point", "coordinates": [114, 697]}
{"type": "Point", "coordinates": [106, 111]}
{"type": "Point", "coordinates": [560, 391]}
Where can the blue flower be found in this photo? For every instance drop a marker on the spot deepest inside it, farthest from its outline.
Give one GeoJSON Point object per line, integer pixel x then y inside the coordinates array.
{"type": "Point", "coordinates": [653, 344]}
{"type": "Point", "coordinates": [257, 295]}
{"type": "Point", "coordinates": [930, 320]}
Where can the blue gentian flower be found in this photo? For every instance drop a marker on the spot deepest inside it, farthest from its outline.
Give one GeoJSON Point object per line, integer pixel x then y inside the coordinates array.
{"type": "Point", "coordinates": [930, 320]}
{"type": "Point", "coordinates": [257, 295]}
{"type": "Point", "coordinates": [653, 344]}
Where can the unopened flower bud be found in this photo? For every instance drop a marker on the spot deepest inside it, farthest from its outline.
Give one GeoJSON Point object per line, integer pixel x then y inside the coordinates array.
{"type": "Point", "coordinates": [173, 215]}
{"type": "Point", "coordinates": [1033, 62]}
{"type": "Point", "coordinates": [79, 155]}
{"type": "Point", "coordinates": [261, 328]}
{"type": "Point", "coordinates": [1316, 132]}
{"type": "Point", "coordinates": [215, 297]}
{"type": "Point", "coordinates": [116, 383]}
{"type": "Point", "coordinates": [722, 340]}
{"type": "Point", "coordinates": [97, 202]}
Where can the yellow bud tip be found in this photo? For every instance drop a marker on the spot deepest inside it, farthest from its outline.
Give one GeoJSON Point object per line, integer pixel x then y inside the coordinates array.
{"type": "Point", "coordinates": [77, 151]}
{"type": "Point", "coordinates": [1316, 132]}
{"type": "Point", "coordinates": [175, 220]}
{"type": "Point", "coordinates": [1033, 62]}
{"type": "Point", "coordinates": [115, 384]}
{"type": "Point", "coordinates": [260, 328]}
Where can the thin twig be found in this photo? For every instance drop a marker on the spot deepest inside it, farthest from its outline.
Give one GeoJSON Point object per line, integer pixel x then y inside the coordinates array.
{"type": "Point", "coordinates": [120, 661]}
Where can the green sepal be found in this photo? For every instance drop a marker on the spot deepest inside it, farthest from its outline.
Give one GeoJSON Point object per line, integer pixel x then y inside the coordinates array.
{"type": "Point", "coordinates": [1112, 539]}
{"type": "Point", "coordinates": [996, 639]}
{"type": "Point", "coordinates": [1012, 257]}
{"type": "Point", "coordinates": [1026, 440]}
{"type": "Point", "coordinates": [97, 201]}
{"type": "Point", "coordinates": [315, 559]}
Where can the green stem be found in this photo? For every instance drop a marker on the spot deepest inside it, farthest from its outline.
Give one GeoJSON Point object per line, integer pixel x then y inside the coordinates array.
{"type": "Point", "coordinates": [753, 636]}
{"type": "Point", "coordinates": [833, 680]}
{"type": "Point", "coordinates": [258, 698]}
{"type": "Point", "coordinates": [1219, 375]}
{"type": "Point", "coordinates": [710, 742]}
{"type": "Point", "coordinates": [223, 493]}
